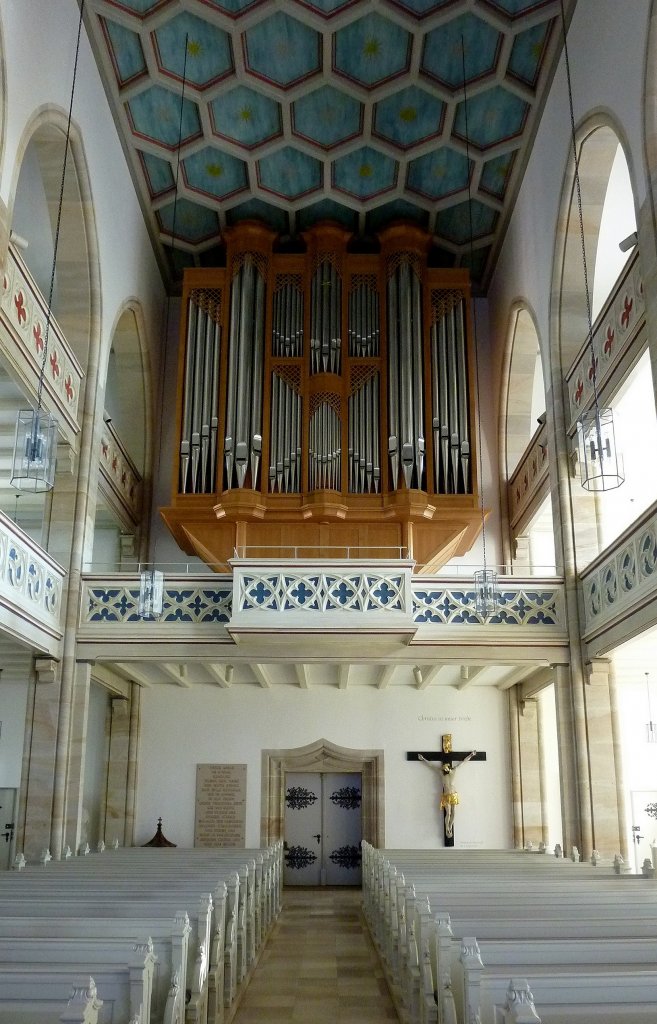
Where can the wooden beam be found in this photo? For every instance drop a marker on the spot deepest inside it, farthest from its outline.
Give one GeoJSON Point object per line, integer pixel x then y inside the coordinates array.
{"type": "Point", "coordinates": [343, 676]}
{"type": "Point", "coordinates": [385, 674]}
{"type": "Point", "coordinates": [222, 675]}
{"type": "Point", "coordinates": [428, 676]}
{"type": "Point", "coordinates": [178, 673]}
{"type": "Point", "coordinates": [302, 675]}
{"type": "Point", "coordinates": [134, 673]}
{"type": "Point", "coordinates": [261, 675]}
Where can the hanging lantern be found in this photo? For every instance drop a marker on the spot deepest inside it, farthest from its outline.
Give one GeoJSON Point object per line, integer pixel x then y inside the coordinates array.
{"type": "Point", "coordinates": [151, 594]}
{"type": "Point", "coordinates": [601, 465]}
{"type": "Point", "coordinates": [487, 596]}
{"type": "Point", "coordinates": [35, 451]}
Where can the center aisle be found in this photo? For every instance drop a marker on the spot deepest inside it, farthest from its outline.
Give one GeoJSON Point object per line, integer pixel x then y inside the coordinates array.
{"type": "Point", "coordinates": [319, 965]}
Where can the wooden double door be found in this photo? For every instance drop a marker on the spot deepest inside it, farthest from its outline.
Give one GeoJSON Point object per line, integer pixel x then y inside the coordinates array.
{"type": "Point", "coordinates": [323, 828]}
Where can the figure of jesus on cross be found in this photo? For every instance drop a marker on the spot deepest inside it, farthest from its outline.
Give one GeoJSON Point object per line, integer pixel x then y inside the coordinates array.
{"type": "Point", "coordinates": [447, 769]}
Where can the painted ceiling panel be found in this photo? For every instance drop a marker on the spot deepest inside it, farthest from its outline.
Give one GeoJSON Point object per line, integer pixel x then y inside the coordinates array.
{"type": "Point", "coordinates": [282, 50]}
{"type": "Point", "coordinates": [155, 114]}
{"type": "Point", "coordinates": [327, 117]}
{"type": "Point", "coordinates": [371, 51]}
{"type": "Point", "coordinates": [215, 173]}
{"type": "Point", "coordinates": [125, 51]}
{"type": "Point", "coordinates": [274, 128]}
{"type": "Point", "coordinates": [246, 117]}
{"type": "Point", "coordinates": [464, 40]}
{"type": "Point", "coordinates": [289, 173]}
{"type": "Point", "coordinates": [408, 117]}
{"type": "Point", "coordinates": [365, 173]}
{"type": "Point", "coordinates": [208, 57]}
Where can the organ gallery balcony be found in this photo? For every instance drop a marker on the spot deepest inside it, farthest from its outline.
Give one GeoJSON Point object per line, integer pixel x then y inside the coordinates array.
{"type": "Point", "coordinates": [326, 397]}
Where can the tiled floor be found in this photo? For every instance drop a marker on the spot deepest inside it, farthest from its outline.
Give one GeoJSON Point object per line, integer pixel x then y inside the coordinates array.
{"type": "Point", "coordinates": [319, 966]}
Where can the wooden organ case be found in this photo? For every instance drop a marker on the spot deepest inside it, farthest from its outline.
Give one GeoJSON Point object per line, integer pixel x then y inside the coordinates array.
{"type": "Point", "coordinates": [326, 403]}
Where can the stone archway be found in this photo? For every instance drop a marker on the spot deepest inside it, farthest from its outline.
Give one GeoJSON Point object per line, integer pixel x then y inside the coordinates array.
{"type": "Point", "coordinates": [322, 756]}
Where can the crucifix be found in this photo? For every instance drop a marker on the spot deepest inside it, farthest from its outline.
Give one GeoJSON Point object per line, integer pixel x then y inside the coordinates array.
{"type": "Point", "coordinates": [447, 769]}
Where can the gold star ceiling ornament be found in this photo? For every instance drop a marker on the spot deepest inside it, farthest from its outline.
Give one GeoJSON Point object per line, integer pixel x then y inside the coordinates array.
{"type": "Point", "coordinates": [245, 114]}
{"type": "Point", "coordinates": [214, 170]}
{"type": "Point", "coordinates": [365, 171]}
{"type": "Point", "coordinates": [194, 48]}
{"type": "Point", "coordinates": [408, 114]}
{"type": "Point", "coordinates": [372, 47]}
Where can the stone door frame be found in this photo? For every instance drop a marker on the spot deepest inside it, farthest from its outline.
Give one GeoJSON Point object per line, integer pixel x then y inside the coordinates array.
{"type": "Point", "coordinates": [322, 756]}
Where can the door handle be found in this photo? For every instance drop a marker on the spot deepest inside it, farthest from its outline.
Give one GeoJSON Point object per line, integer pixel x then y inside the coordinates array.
{"type": "Point", "coordinates": [318, 836]}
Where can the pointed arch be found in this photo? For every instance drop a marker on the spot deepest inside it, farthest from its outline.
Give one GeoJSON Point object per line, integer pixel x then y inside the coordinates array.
{"type": "Point", "coordinates": [322, 756]}
{"type": "Point", "coordinates": [523, 386]}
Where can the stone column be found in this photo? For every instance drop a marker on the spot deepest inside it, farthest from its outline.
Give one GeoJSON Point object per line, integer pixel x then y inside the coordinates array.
{"type": "Point", "coordinates": [530, 772]}
{"type": "Point", "coordinates": [602, 737]}
{"type": "Point", "coordinates": [516, 784]}
{"type": "Point", "coordinates": [623, 818]}
{"type": "Point", "coordinates": [117, 771]}
{"type": "Point", "coordinates": [39, 758]}
{"type": "Point", "coordinates": [545, 830]}
{"type": "Point", "coordinates": [75, 829]}
{"type": "Point", "coordinates": [133, 746]}
{"type": "Point", "coordinates": [571, 834]}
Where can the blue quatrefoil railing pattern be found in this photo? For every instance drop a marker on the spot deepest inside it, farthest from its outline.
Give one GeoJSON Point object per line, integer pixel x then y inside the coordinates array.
{"type": "Point", "coordinates": [625, 577]}
{"type": "Point", "coordinates": [361, 592]}
{"type": "Point", "coordinates": [515, 607]}
{"type": "Point", "coordinates": [28, 579]}
{"type": "Point", "coordinates": [183, 604]}
{"type": "Point", "coordinates": [322, 592]}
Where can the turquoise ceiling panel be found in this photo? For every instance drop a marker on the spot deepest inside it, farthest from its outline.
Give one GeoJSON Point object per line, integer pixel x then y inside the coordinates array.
{"type": "Point", "coordinates": [442, 53]}
{"type": "Point", "coordinates": [233, 8]}
{"type": "Point", "coordinates": [194, 223]}
{"type": "Point", "coordinates": [155, 114]}
{"type": "Point", "coordinates": [209, 56]}
{"type": "Point", "coordinates": [246, 117]}
{"type": "Point", "coordinates": [282, 50]}
{"type": "Point", "coordinates": [398, 209]}
{"type": "Point", "coordinates": [365, 173]}
{"type": "Point", "coordinates": [139, 7]}
{"type": "Point", "coordinates": [454, 222]}
{"type": "Point", "coordinates": [496, 173]}
{"type": "Point", "coordinates": [493, 117]}
{"type": "Point", "coordinates": [215, 173]}
{"type": "Point", "coordinates": [422, 8]}
{"type": "Point", "coordinates": [439, 174]}
{"type": "Point", "coordinates": [326, 209]}
{"type": "Point", "coordinates": [528, 51]}
{"type": "Point", "coordinates": [516, 8]}
{"type": "Point", "coordinates": [126, 52]}
{"type": "Point", "coordinates": [327, 117]}
{"type": "Point", "coordinates": [255, 209]}
{"type": "Point", "coordinates": [289, 173]}
{"type": "Point", "coordinates": [158, 172]}
{"type": "Point", "coordinates": [371, 51]}
{"type": "Point", "coordinates": [327, 8]}
{"type": "Point", "coordinates": [408, 117]}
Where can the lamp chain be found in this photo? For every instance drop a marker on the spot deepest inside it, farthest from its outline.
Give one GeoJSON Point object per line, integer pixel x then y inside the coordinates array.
{"type": "Point", "coordinates": [474, 306]}
{"type": "Point", "coordinates": [59, 213]}
{"type": "Point", "coordinates": [578, 190]}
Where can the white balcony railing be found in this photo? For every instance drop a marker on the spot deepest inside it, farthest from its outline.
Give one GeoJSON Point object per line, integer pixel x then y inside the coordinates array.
{"type": "Point", "coordinates": [31, 586]}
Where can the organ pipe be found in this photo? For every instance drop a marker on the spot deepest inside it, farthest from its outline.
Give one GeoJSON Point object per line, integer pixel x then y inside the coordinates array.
{"type": "Point", "coordinates": [450, 411]}
{"type": "Point", "coordinates": [405, 377]}
{"type": "Point", "coordinates": [198, 443]}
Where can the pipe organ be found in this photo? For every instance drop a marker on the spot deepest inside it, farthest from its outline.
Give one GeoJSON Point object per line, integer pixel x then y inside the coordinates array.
{"type": "Point", "coordinates": [325, 402]}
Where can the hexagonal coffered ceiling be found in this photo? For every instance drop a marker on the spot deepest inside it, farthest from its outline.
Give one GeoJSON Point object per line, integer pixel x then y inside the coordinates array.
{"type": "Point", "coordinates": [295, 111]}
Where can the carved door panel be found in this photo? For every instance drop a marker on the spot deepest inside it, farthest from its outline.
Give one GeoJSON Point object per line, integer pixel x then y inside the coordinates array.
{"type": "Point", "coordinates": [7, 827]}
{"type": "Point", "coordinates": [303, 828]}
{"type": "Point", "coordinates": [323, 828]}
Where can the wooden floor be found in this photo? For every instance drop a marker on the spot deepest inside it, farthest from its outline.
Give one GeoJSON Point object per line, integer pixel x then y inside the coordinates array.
{"type": "Point", "coordinates": [318, 966]}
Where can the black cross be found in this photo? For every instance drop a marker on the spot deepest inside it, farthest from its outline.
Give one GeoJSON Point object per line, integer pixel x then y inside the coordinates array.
{"type": "Point", "coordinates": [447, 756]}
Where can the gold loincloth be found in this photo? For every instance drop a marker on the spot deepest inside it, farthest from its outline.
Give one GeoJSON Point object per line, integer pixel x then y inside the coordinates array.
{"type": "Point", "coordinates": [448, 800]}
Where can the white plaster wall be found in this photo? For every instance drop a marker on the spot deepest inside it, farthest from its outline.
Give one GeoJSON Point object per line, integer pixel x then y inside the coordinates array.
{"type": "Point", "coordinates": [13, 704]}
{"type": "Point", "coordinates": [180, 728]}
{"type": "Point", "coordinates": [43, 32]}
{"type": "Point", "coordinates": [607, 76]}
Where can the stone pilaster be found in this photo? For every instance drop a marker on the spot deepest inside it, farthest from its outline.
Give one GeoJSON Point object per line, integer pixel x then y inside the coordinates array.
{"type": "Point", "coordinates": [133, 748]}
{"type": "Point", "coordinates": [516, 784]}
{"type": "Point", "coordinates": [529, 770]}
{"type": "Point", "coordinates": [75, 831]}
{"type": "Point", "coordinates": [39, 759]}
{"type": "Point", "coordinates": [571, 835]}
{"type": "Point", "coordinates": [117, 771]}
{"type": "Point", "coordinates": [605, 805]}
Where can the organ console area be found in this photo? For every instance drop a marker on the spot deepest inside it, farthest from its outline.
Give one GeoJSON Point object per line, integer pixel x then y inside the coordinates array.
{"type": "Point", "coordinates": [325, 402]}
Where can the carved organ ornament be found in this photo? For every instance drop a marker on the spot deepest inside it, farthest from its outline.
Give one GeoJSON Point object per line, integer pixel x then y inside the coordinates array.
{"type": "Point", "coordinates": [325, 401]}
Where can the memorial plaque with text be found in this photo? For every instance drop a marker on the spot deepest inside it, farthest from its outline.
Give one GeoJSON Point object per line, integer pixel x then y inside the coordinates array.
{"type": "Point", "coordinates": [220, 805]}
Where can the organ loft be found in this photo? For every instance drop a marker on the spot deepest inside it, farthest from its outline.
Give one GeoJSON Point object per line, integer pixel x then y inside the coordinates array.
{"type": "Point", "coordinates": [326, 402]}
